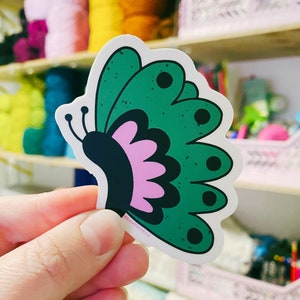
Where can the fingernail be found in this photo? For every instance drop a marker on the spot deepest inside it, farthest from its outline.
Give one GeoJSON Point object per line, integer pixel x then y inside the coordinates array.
{"type": "Point", "coordinates": [102, 231]}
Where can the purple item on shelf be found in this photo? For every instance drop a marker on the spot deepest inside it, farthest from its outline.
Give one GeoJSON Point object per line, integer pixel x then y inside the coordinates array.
{"type": "Point", "coordinates": [23, 51]}
{"type": "Point", "coordinates": [37, 31]}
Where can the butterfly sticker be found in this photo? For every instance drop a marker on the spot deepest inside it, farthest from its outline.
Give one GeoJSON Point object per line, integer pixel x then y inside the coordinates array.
{"type": "Point", "coordinates": [152, 132]}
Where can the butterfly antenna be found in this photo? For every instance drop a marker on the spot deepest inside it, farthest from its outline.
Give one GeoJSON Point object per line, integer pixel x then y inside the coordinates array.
{"type": "Point", "coordinates": [69, 118]}
{"type": "Point", "coordinates": [84, 111]}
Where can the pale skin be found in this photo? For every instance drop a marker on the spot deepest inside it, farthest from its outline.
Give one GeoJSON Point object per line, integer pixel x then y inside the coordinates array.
{"type": "Point", "coordinates": [57, 246]}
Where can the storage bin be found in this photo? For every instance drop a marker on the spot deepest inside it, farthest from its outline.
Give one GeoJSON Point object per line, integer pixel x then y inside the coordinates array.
{"type": "Point", "coordinates": [208, 18]}
{"type": "Point", "coordinates": [208, 282]}
{"type": "Point", "coordinates": [275, 163]}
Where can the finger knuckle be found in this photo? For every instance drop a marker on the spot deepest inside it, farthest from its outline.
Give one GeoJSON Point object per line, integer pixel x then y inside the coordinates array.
{"type": "Point", "coordinates": [49, 260]}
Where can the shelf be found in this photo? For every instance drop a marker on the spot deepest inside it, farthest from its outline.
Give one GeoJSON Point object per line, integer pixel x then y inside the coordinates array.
{"type": "Point", "coordinates": [276, 42]}
{"type": "Point", "coordinates": [266, 186]}
{"type": "Point", "coordinates": [9, 157]}
{"type": "Point", "coordinates": [256, 44]}
{"type": "Point", "coordinates": [81, 60]}
{"type": "Point", "coordinates": [245, 45]}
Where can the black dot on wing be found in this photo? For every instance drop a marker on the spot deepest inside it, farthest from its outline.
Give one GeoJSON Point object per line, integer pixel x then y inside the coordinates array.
{"type": "Point", "coordinates": [164, 80]}
{"type": "Point", "coordinates": [213, 163]}
{"type": "Point", "coordinates": [209, 198]}
{"type": "Point", "coordinates": [202, 116]}
{"type": "Point", "coordinates": [194, 236]}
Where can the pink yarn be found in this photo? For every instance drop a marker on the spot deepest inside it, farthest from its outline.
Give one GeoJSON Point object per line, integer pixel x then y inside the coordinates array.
{"type": "Point", "coordinates": [67, 22]}
{"type": "Point", "coordinates": [82, 3]}
{"type": "Point", "coordinates": [23, 51]}
{"type": "Point", "coordinates": [37, 31]}
{"type": "Point", "coordinates": [68, 30]}
{"type": "Point", "coordinates": [275, 132]}
{"type": "Point", "coordinates": [36, 9]}
{"type": "Point", "coordinates": [59, 45]}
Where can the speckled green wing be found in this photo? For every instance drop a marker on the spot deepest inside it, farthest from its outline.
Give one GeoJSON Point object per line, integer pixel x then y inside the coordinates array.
{"type": "Point", "coordinates": [160, 90]}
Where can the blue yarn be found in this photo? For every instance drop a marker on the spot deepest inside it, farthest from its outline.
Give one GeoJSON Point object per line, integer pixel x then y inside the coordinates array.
{"type": "Point", "coordinates": [54, 143]}
{"type": "Point", "coordinates": [69, 151]}
{"type": "Point", "coordinates": [61, 88]}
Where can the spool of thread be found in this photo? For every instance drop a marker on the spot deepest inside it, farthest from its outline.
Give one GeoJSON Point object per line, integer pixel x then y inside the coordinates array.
{"type": "Point", "coordinates": [68, 30]}
{"type": "Point", "coordinates": [61, 86]}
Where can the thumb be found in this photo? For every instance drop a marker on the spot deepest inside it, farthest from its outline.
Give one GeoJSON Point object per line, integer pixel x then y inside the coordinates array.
{"type": "Point", "coordinates": [62, 259]}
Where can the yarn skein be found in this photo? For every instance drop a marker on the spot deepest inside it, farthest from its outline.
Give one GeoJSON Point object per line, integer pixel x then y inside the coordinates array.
{"type": "Point", "coordinates": [33, 139]}
{"type": "Point", "coordinates": [60, 89]}
{"type": "Point", "coordinates": [105, 21]}
{"type": "Point", "coordinates": [36, 9]}
{"type": "Point", "coordinates": [37, 31]}
{"type": "Point", "coordinates": [23, 51]}
{"type": "Point", "coordinates": [68, 30]}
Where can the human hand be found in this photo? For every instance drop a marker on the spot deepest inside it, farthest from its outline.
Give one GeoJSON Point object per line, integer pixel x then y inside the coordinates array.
{"type": "Point", "coordinates": [56, 246]}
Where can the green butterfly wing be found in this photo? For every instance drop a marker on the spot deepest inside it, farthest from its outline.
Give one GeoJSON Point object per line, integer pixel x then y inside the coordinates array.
{"type": "Point", "coordinates": [172, 103]}
{"type": "Point", "coordinates": [118, 70]}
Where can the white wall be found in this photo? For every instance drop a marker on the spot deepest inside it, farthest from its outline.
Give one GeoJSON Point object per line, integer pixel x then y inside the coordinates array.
{"type": "Point", "coordinates": [282, 74]}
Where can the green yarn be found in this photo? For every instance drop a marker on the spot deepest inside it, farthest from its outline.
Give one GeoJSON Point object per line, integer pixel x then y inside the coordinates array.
{"type": "Point", "coordinates": [33, 141]}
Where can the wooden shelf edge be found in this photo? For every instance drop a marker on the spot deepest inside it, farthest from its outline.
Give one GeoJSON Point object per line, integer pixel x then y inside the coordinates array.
{"type": "Point", "coordinates": [267, 187]}
{"type": "Point", "coordinates": [9, 157]}
{"type": "Point", "coordinates": [248, 44]}
{"type": "Point", "coordinates": [76, 60]}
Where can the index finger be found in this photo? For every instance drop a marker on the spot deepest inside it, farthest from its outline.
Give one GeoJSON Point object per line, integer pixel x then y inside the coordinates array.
{"type": "Point", "coordinates": [24, 217]}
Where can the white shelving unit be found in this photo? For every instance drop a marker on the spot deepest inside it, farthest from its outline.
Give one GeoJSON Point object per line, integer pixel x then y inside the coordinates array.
{"type": "Point", "coordinates": [276, 42]}
{"type": "Point", "coordinates": [272, 43]}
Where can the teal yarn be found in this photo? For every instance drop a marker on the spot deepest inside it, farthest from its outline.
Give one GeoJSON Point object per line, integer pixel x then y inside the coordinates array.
{"type": "Point", "coordinates": [61, 88]}
{"type": "Point", "coordinates": [33, 140]}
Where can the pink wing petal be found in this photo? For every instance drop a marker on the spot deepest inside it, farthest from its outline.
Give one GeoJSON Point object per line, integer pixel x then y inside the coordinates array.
{"type": "Point", "coordinates": [143, 171]}
{"type": "Point", "coordinates": [125, 133]}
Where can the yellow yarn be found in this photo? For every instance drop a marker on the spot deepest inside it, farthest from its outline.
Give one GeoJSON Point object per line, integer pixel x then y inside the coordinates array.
{"type": "Point", "coordinates": [4, 128]}
{"type": "Point", "coordinates": [20, 118]}
{"type": "Point", "coordinates": [20, 99]}
{"type": "Point", "coordinates": [19, 111]}
{"type": "Point", "coordinates": [105, 20]}
{"type": "Point", "coordinates": [36, 98]}
{"type": "Point", "coordinates": [5, 103]}
{"type": "Point", "coordinates": [37, 118]}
